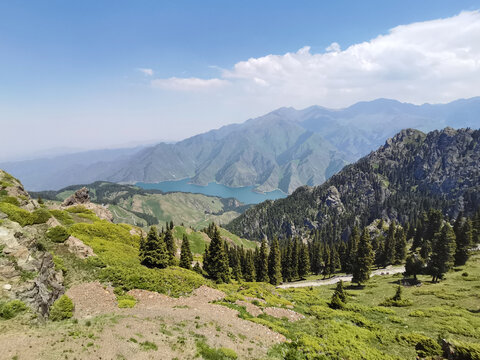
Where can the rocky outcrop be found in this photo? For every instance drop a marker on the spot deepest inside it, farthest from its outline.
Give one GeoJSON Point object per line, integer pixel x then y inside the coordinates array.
{"type": "Point", "coordinates": [45, 288]}
{"type": "Point", "coordinates": [77, 247]}
{"type": "Point", "coordinates": [101, 211]}
{"type": "Point", "coordinates": [80, 197]}
{"type": "Point", "coordinates": [43, 284]}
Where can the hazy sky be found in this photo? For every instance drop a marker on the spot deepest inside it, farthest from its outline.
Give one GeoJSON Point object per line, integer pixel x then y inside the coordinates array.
{"type": "Point", "coordinates": [95, 74]}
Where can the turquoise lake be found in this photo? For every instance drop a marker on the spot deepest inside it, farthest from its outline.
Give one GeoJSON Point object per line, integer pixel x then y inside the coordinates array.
{"type": "Point", "coordinates": [244, 194]}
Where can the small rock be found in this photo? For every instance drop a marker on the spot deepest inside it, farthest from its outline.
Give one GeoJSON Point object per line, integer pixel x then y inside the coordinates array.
{"type": "Point", "coordinates": [7, 287]}
{"type": "Point", "coordinates": [77, 247]}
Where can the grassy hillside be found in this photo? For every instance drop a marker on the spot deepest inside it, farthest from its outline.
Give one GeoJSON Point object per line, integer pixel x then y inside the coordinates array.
{"type": "Point", "coordinates": [364, 329]}
{"type": "Point", "coordinates": [198, 239]}
{"type": "Point", "coordinates": [132, 205]}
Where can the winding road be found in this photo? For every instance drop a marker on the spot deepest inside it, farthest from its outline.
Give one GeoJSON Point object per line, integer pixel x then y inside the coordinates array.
{"type": "Point", "coordinates": [390, 270]}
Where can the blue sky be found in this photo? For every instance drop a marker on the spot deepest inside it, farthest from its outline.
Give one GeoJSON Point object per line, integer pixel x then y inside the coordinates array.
{"type": "Point", "coordinates": [70, 70]}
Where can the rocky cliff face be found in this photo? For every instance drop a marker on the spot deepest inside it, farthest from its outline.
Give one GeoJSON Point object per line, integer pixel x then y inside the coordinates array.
{"type": "Point", "coordinates": [27, 271]}
{"type": "Point", "coordinates": [410, 173]}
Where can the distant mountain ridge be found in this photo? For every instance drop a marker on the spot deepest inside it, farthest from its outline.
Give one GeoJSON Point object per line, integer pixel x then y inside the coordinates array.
{"type": "Point", "coordinates": [412, 172]}
{"type": "Point", "coordinates": [284, 149]}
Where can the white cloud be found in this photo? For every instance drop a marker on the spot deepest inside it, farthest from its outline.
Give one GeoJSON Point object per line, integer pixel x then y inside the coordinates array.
{"type": "Point", "coordinates": [146, 71]}
{"type": "Point", "coordinates": [188, 84]}
{"type": "Point", "coordinates": [335, 47]}
{"type": "Point", "coordinates": [431, 61]}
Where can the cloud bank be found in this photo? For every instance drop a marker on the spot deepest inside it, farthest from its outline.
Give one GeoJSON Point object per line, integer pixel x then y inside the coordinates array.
{"type": "Point", "coordinates": [431, 61]}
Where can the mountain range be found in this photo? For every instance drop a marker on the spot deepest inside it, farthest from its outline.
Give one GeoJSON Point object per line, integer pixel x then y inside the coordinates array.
{"type": "Point", "coordinates": [284, 149]}
{"type": "Point", "coordinates": [411, 173]}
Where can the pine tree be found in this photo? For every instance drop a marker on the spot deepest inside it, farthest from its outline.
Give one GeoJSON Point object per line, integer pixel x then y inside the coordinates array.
{"type": "Point", "coordinates": [334, 260]}
{"type": "Point", "coordinates": [294, 259]}
{"type": "Point", "coordinates": [197, 268]}
{"type": "Point", "coordinates": [363, 264]}
{"type": "Point", "coordinates": [262, 272]}
{"type": "Point", "coordinates": [303, 262]}
{"type": "Point", "coordinates": [414, 265]}
{"type": "Point", "coordinates": [206, 257]}
{"type": "Point", "coordinates": [326, 262]}
{"type": "Point", "coordinates": [342, 252]}
{"type": "Point", "coordinates": [275, 263]}
{"type": "Point", "coordinates": [352, 249]}
{"type": "Point", "coordinates": [339, 297]}
{"type": "Point", "coordinates": [171, 225]}
{"type": "Point", "coordinates": [171, 248]}
{"type": "Point", "coordinates": [400, 246]}
{"type": "Point", "coordinates": [217, 259]}
{"type": "Point", "coordinates": [286, 260]}
{"type": "Point", "coordinates": [155, 253]}
{"type": "Point", "coordinates": [249, 274]}
{"type": "Point", "coordinates": [443, 253]}
{"type": "Point", "coordinates": [236, 268]}
{"type": "Point", "coordinates": [464, 241]}
{"type": "Point", "coordinates": [390, 245]}
{"type": "Point", "coordinates": [380, 252]}
{"type": "Point", "coordinates": [141, 248]}
{"type": "Point", "coordinates": [186, 257]}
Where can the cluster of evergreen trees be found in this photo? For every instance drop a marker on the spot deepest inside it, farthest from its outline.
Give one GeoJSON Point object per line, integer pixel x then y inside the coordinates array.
{"type": "Point", "coordinates": [436, 247]}
{"type": "Point", "coordinates": [158, 249]}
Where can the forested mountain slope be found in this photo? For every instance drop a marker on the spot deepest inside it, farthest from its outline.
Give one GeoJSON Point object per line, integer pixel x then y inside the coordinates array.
{"type": "Point", "coordinates": [412, 172]}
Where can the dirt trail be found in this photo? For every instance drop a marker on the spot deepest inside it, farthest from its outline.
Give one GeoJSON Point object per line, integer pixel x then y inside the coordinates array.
{"type": "Point", "coordinates": [173, 325]}
{"type": "Point", "coordinates": [387, 271]}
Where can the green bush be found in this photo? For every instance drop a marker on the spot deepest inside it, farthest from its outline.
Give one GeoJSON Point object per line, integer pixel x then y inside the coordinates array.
{"type": "Point", "coordinates": [172, 281]}
{"type": "Point", "coordinates": [10, 199]}
{"type": "Point", "coordinates": [424, 346]}
{"type": "Point", "coordinates": [148, 345]}
{"type": "Point", "coordinates": [24, 217]}
{"type": "Point", "coordinates": [57, 234]}
{"type": "Point", "coordinates": [62, 216]}
{"type": "Point", "coordinates": [10, 309]}
{"type": "Point", "coordinates": [208, 353]}
{"type": "Point", "coordinates": [79, 209]}
{"type": "Point", "coordinates": [466, 351]}
{"type": "Point", "coordinates": [61, 309]}
{"type": "Point", "coordinates": [126, 301]}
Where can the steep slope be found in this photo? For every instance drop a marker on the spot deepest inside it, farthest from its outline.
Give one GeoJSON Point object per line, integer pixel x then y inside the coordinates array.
{"type": "Point", "coordinates": [284, 149]}
{"type": "Point", "coordinates": [411, 172]}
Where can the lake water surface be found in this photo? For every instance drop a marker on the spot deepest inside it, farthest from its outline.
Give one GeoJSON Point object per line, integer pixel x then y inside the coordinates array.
{"type": "Point", "coordinates": [244, 194]}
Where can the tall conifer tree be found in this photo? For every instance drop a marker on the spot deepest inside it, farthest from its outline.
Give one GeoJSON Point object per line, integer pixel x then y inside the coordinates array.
{"type": "Point", "coordinates": [186, 257]}
{"type": "Point", "coordinates": [363, 264]}
{"type": "Point", "coordinates": [275, 263]}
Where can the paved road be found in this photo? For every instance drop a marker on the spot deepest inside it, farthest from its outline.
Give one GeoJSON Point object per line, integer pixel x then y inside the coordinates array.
{"type": "Point", "coordinates": [387, 271]}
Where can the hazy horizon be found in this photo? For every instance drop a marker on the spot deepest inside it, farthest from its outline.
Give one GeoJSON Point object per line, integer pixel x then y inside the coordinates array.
{"type": "Point", "coordinates": [84, 76]}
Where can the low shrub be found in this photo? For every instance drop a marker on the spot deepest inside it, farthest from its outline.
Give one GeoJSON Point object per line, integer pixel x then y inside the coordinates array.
{"type": "Point", "coordinates": [57, 234]}
{"type": "Point", "coordinates": [466, 351]}
{"type": "Point", "coordinates": [10, 200]}
{"type": "Point", "coordinates": [172, 281]}
{"type": "Point", "coordinates": [126, 301]}
{"type": "Point", "coordinates": [148, 345]}
{"type": "Point", "coordinates": [10, 309]}
{"type": "Point", "coordinates": [61, 309]}
{"type": "Point", "coordinates": [24, 217]}
{"type": "Point", "coordinates": [418, 313]}
{"type": "Point", "coordinates": [209, 353]}
{"type": "Point", "coordinates": [79, 209]}
{"type": "Point", "coordinates": [62, 216]}
{"type": "Point", "coordinates": [424, 346]}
